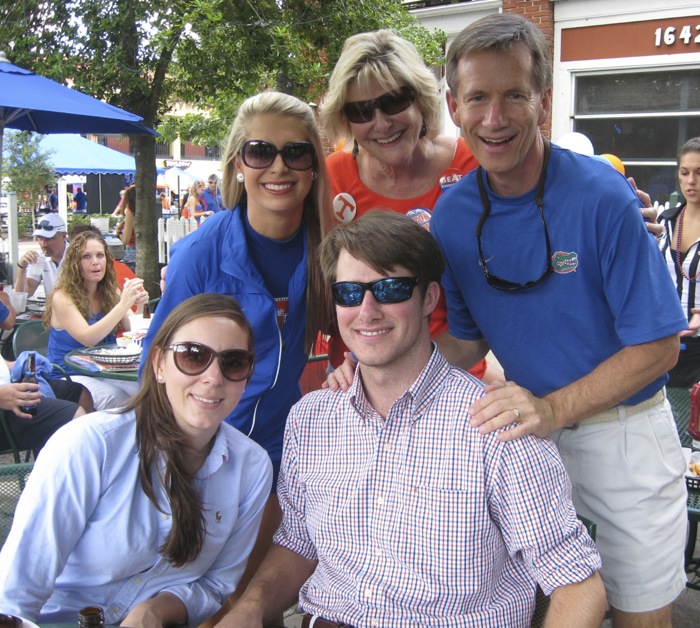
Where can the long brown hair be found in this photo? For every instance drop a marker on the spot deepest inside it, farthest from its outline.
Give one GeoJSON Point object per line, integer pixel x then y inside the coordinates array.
{"type": "Point", "coordinates": [72, 282]}
{"type": "Point", "coordinates": [160, 440]}
{"type": "Point", "coordinates": [318, 209]}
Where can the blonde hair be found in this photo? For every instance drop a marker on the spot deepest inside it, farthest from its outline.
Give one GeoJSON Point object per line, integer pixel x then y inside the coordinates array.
{"type": "Point", "coordinates": [318, 209]}
{"type": "Point", "coordinates": [392, 61]}
{"type": "Point", "coordinates": [193, 188]}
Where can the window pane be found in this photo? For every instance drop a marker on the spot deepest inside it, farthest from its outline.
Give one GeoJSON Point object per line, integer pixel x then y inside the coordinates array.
{"type": "Point", "coordinates": [668, 91]}
{"type": "Point", "coordinates": [657, 181]}
{"type": "Point", "coordinates": [639, 138]}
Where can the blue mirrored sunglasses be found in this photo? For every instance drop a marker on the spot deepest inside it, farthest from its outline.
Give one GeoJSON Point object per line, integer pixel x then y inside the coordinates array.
{"type": "Point", "coordinates": [387, 291]}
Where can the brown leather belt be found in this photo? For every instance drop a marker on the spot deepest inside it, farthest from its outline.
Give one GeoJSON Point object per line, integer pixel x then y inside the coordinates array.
{"type": "Point", "coordinates": [307, 621]}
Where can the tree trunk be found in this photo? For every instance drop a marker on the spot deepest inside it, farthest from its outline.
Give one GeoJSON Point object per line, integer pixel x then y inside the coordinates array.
{"type": "Point", "coordinates": [146, 222]}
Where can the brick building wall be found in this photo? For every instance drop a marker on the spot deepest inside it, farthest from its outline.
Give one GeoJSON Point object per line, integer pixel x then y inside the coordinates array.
{"type": "Point", "coordinates": [541, 12]}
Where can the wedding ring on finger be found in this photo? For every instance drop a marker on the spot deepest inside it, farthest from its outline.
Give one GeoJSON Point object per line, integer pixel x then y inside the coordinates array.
{"type": "Point", "coordinates": [517, 414]}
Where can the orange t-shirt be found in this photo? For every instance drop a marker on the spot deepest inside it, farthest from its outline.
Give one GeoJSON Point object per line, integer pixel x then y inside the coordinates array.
{"type": "Point", "coordinates": [352, 198]}
{"type": "Point", "coordinates": [123, 273]}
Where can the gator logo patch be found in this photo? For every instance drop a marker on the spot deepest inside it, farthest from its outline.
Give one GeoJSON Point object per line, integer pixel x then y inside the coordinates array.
{"type": "Point", "coordinates": [564, 263]}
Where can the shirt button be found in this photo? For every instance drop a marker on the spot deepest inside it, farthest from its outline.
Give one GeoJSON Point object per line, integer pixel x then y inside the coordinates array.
{"type": "Point", "coordinates": [116, 609]}
{"type": "Point", "coordinates": [380, 501]}
{"type": "Point", "coordinates": [164, 517]}
{"type": "Point", "coordinates": [378, 551]}
{"type": "Point", "coordinates": [368, 593]}
{"type": "Point", "coordinates": [388, 448]}
{"type": "Point", "coordinates": [137, 580]}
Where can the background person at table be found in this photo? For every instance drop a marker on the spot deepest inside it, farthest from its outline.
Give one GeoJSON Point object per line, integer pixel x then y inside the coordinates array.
{"type": "Point", "coordinates": [119, 209]}
{"type": "Point", "coordinates": [164, 202]}
{"type": "Point", "coordinates": [122, 271]}
{"type": "Point", "coordinates": [545, 283]}
{"type": "Point", "coordinates": [680, 245]}
{"type": "Point", "coordinates": [86, 308]}
{"type": "Point", "coordinates": [195, 206]}
{"type": "Point", "coordinates": [212, 194]}
{"type": "Point", "coordinates": [397, 512]}
{"type": "Point", "coordinates": [126, 230]}
{"type": "Point", "coordinates": [383, 97]}
{"type": "Point", "coordinates": [264, 252]}
{"type": "Point", "coordinates": [34, 267]}
{"type": "Point", "coordinates": [70, 400]}
{"type": "Point", "coordinates": [150, 513]}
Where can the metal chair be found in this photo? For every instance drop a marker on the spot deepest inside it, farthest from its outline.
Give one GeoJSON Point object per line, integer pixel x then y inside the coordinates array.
{"type": "Point", "coordinates": [679, 398]}
{"type": "Point", "coordinates": [31, 336]}
{"type": "Point", "coordinates": [542, 600]}
{"type": "Point", "coordinates": [8, 444]}
{"type": "Point", "coordinates": [13, 478]}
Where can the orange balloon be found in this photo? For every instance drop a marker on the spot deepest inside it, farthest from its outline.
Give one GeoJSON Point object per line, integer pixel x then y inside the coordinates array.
{"type": "Point", "coordinates": [615, 162]}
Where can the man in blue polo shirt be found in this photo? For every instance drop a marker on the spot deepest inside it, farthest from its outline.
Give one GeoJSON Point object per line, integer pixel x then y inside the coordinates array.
{"type": "Point", "coordinates": [550, 267]}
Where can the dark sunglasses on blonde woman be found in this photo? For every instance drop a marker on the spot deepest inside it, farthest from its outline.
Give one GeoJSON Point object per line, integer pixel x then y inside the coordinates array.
{"type": "Point", "coordinates": [259, 154]}
{"type": "Point", "coordinates": [391, 103]}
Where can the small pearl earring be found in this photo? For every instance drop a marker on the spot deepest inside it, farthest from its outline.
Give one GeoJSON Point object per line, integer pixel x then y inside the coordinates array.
{"type": "Point", "coordinates": [314, 175]}
{"type": "Point", "coordinates": [160, 378]}
{"type": "Point", "coordinates": [239, 177]}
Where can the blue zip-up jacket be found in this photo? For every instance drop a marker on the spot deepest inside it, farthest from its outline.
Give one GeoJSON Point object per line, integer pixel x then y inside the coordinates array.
{"type": "Point", "coordinates": [215, 259]}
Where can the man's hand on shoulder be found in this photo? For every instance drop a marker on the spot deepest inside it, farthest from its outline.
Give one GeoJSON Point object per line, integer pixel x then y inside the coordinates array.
{"type": "Point", "coordinates": [648, 212]}
{"type": "Point", "coordinates": [505, 403]}
{"type": "Point", "coordinates": [342, 377]}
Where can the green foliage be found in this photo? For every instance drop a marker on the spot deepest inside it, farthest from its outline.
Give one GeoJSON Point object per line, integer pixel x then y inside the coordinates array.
{"type": "Point", "coordinates": [24, 225]}
{"type": "Point", "coordinates": [27, 167]}
{"type": "Point", "coordinates": [75, 220]}
{"type": "Point", "coordinates": [148, 55]}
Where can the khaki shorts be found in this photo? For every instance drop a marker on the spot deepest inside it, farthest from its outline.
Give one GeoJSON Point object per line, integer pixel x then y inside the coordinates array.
{"type": "Point", "coordinates": [628, 477]}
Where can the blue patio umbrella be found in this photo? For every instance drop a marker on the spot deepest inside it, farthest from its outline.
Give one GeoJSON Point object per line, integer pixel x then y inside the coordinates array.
{"type": "Point", "coordinates": [30, 102]}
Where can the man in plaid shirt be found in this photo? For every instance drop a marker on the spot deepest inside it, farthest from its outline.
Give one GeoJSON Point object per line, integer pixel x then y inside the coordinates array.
{"type": "Point", "coordinates": [396, 511]}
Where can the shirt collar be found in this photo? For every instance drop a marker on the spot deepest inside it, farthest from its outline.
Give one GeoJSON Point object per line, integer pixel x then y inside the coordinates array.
{"type": "Point", "coordinates": [421, 391]}
{"type": "Point", "coordinates": [217, 456]}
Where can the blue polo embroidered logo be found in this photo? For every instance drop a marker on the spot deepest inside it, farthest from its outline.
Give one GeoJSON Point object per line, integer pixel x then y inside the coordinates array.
{"type": "Point", "coordinates": [564, 263]}
{"type": "Point", "coordinates": [344, 207]}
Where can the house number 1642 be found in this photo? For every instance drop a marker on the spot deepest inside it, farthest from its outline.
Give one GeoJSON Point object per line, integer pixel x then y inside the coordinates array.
{"type": "Point", "coordinates": [668, 36]}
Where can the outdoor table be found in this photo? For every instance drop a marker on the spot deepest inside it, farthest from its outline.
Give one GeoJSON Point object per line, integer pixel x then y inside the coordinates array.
{"type": "Point", "coordinates": [81, 368]}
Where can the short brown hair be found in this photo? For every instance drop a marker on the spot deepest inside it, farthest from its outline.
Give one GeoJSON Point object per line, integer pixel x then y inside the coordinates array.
{"type": "Point", "coordinates": [501, 32]}
{"type": "Point", "coordinates": [384, 240]}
